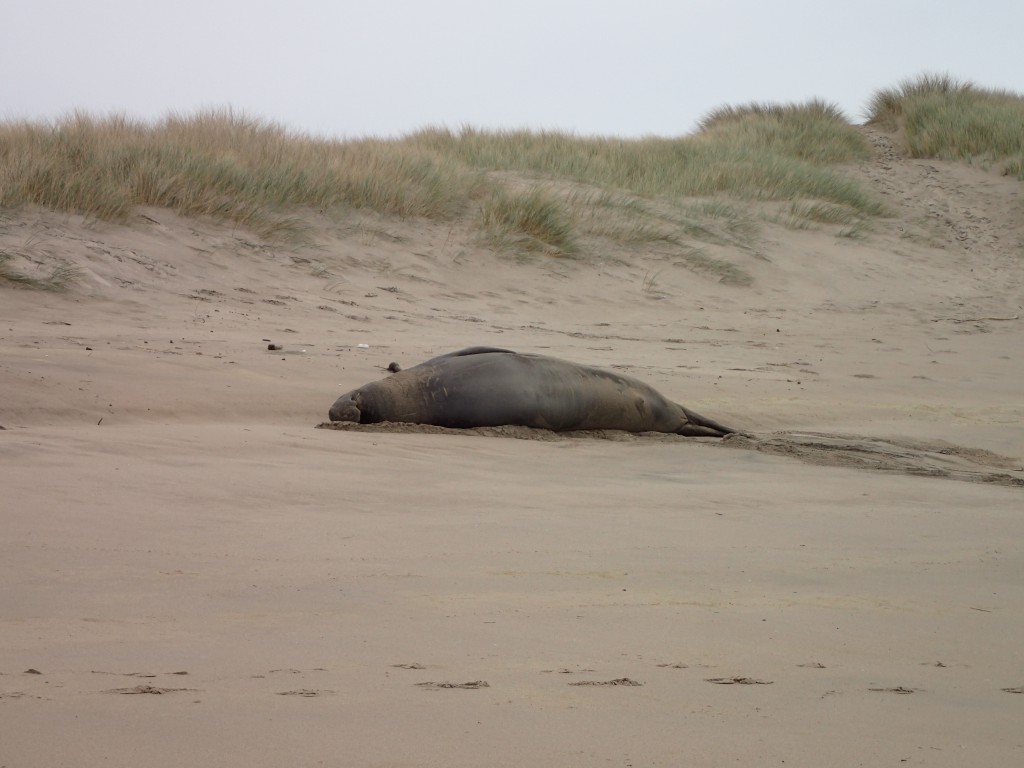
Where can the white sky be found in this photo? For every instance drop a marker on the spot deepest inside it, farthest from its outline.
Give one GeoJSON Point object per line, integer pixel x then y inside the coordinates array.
{"type": "Point", "coordinates": [612, 67]}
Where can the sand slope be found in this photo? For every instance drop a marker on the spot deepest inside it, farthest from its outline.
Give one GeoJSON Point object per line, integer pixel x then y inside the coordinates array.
{"type": "Point", "coordinates": [194, 574]}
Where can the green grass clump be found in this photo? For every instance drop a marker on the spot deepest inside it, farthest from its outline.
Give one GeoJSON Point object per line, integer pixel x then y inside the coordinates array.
{"type": "Point", "coordinates": [950, 119]}
{"type": "Point", "coordinates": [528, 221]}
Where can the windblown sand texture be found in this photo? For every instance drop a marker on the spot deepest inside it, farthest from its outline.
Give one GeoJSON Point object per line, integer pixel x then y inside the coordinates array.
{"type": "Point", "coordinates": [193, 574]}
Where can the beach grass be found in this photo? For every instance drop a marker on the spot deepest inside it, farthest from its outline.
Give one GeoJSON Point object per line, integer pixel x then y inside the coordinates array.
{"type": "Point", "coordinates": [547, 192]}
{"type": "Point", "coordinates": [942, 117]}
{"type": "Point", "coordinates": [59, 277]}
{"type": "Point", "coordinates": [531, 221]}
{"type": "Point", "coordinates": [231, 166]}
{"type": "Point", "coordinates": [747, 154]}
{"type": "Point", "coordinates": [219, 164]}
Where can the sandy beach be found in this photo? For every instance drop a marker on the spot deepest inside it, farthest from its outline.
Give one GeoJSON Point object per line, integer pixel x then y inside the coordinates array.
{"type": "Point", "coordinates": [194, 574]}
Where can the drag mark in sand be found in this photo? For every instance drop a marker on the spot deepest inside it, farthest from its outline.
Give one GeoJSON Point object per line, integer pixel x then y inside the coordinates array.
{"type": "Point", "coordinates": [618, 681]}
{"type": "Point", "coordinates": [150, 689]}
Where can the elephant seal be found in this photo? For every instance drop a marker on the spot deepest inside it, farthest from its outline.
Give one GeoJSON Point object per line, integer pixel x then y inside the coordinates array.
{"type": "Point", "coordinates": [491, 387]}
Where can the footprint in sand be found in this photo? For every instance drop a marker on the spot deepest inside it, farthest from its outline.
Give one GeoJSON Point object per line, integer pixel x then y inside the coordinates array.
{"type": "Point", "coordinates": [134, 674]}
{"type": "Point", "coordinates": [147, 689]}
{"type": "Point", "coordinates": [433, 686]}
{"type": "Point", "coordinates": [18, 695]}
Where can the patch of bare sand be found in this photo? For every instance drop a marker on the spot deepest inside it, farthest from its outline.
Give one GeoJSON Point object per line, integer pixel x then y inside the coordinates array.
{"type": "Point", "coordinates": [168, 508]}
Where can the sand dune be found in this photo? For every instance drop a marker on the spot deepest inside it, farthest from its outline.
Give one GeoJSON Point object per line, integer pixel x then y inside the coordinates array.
{"type": "Point", "coordinates": [193, 573]}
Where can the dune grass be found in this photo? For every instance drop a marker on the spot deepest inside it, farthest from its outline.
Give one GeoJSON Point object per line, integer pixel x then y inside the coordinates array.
{"type": "Point", "coordinates": [750, 154]}
{"type": "Point", "coordinates": [218, 164]}
{"type": "Point", "coordinates": [532, 221]}
{"type": "Point", "coordinates": [816, 131]}
{"type": "Point", "coordinates": [59, 278]}
{"type": "Point", "coordinates": [527, 192]}
{"type": "Point", "coordinates": [233, 167]}
{"type": "Point", "coordinates": [951, 119]}
{"type": "Point", "coordinates": [230, 166]}
{"type": "Point", "coordinates": [669, 190]}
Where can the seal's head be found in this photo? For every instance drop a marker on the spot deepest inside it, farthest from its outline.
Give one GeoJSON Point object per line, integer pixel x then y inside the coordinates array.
{"type": "Point", "coordinates": [346, 408]}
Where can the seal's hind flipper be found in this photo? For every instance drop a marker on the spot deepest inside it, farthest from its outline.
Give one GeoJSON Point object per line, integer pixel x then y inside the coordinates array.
{"type": "Point", "coordinates": [701, 426]}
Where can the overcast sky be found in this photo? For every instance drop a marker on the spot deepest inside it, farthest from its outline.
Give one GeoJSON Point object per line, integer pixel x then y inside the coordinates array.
{"type": "Point", "coordinates": [612, 67]}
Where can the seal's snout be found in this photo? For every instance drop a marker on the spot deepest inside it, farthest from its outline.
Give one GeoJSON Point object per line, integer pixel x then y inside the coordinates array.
{"type": "Point", "coordinates": [344, 409]}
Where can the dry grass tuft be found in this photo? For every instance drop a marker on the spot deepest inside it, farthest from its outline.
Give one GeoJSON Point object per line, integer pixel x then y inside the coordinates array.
{"type": "Point", "coordinates": [952, 119]}
{"type": "Point", "coordinates": [816, 131]}
{"type": "Point", "coordinates": [533, 221]}
{"type": "Point", "coordinates": [59, 278]}
{"type": "Point", "coordinates": [886, 105]}
{"type": "Point", "coordinates": [815, 109]}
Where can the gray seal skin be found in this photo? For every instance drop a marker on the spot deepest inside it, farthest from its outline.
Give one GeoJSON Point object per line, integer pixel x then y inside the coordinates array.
{"type": "Point", "coordinates": [491, 387]}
